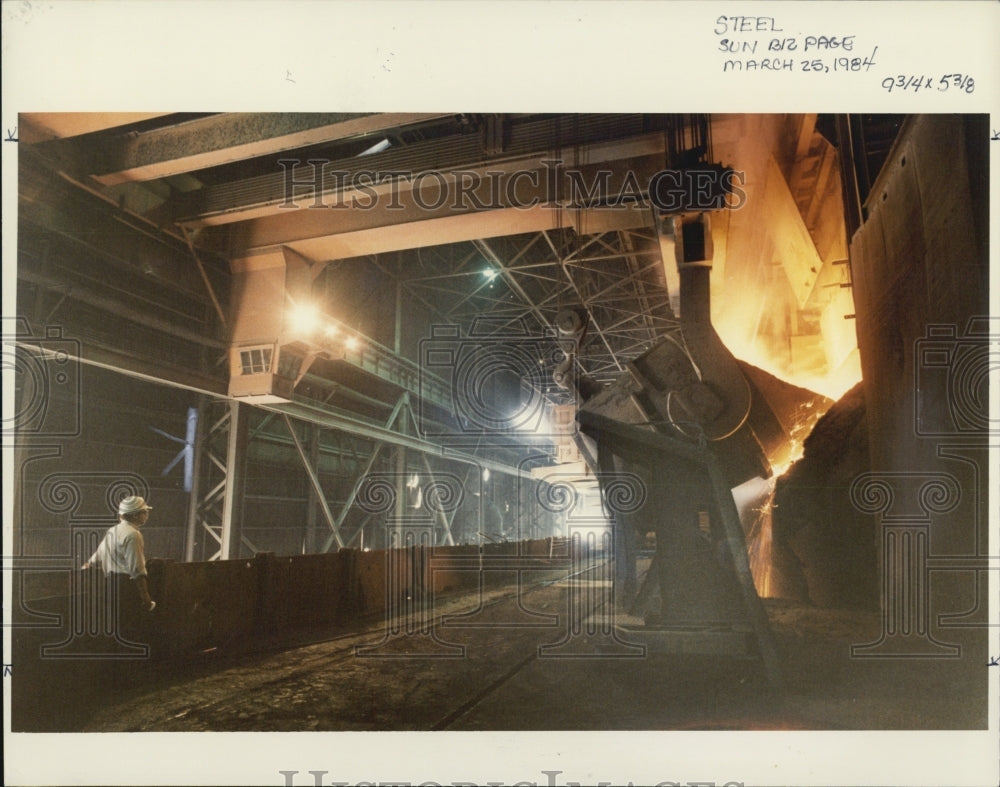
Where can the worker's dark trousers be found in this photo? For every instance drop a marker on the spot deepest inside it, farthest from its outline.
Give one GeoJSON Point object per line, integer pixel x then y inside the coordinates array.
{"type": "Point", "coordinates": [124, 608]}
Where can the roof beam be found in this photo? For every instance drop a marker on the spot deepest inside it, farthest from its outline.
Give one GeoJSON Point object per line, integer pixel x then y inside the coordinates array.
{"type": "Point", "coordinates": [331, 236]}
{"type": "Point", "coordinates": [222, 139]}
{"type": "Point", "coordinates": [432, 211]}
{"type": "Point", "coordinates": [42, 126]}
{"type": "Point", "coordinates": [468, 174]}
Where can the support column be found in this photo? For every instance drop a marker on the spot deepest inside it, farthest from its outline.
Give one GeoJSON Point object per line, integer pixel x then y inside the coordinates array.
{"type": "Point", "coordinates": [236, 456]}
{"type": "Point", "coordinates": [309, 541]}
{"type": "Point", "coordinates": [191, 536]}
{"type": "Point", "coordinates": [398, 337]}
{"type": "Point", "coordinates": [399, 514]}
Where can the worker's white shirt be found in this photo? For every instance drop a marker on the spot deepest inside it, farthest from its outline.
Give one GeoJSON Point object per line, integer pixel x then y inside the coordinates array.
{"type": "Point", "coordinates": [122, 551]}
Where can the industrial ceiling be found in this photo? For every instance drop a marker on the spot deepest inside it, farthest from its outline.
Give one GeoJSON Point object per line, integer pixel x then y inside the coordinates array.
{"type": "Point", "coordinates": [133, 231]}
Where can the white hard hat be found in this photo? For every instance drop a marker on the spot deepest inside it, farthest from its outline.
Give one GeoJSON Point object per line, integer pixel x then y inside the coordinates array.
{"type": "Point", "coordinates": [132, 504]}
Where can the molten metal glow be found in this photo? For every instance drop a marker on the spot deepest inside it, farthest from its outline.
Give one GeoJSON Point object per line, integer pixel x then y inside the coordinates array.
{"type": "Point", "coordinates": [805, 420]}
{"type": "Point", "coordinates": [755, 500]}
{"type": "Point", "coordinates": [821, 356]}
{"type": "Point", "coordinates": [832, 383]}
{"type": "Point", "coordinates": [761, 546]}
{"type": "Point", "coordinates": [819, 352]}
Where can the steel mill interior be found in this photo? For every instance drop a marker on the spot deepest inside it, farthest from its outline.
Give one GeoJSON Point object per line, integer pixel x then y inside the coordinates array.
{"type": "Point", "coordinates": [503, 421]}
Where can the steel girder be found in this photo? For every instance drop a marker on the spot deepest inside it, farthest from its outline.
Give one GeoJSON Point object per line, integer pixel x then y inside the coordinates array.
{"type": "Point", "coordinates": [216, 502]}
{"type": "Point", "coordinates": [224, 138]}
{"type": "Point", "coordinates": [527, 279]}
{"type": "Point", "coordinates": [222, 446]}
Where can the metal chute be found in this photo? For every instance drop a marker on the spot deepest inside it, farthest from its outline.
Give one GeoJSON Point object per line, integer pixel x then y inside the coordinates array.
{"type": "Point", "coordinates": [692, 422]}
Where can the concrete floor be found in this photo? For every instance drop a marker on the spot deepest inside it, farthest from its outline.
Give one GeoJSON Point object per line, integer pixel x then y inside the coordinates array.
{"type": "Point", "coordinates": [491, 676]}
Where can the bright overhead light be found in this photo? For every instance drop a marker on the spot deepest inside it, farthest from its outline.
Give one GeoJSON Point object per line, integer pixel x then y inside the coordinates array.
{"type": "Point", "coordinates": [304, 319]}
{"type": "Point", "coordinates": [490, 274]}
{"type": "Point", "coordinates": [351, 343]}
{"type": "Point", "coordinates": [331, 330]}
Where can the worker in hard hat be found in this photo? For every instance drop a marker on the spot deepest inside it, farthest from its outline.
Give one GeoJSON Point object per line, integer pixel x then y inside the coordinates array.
{"type": "Point", "coordinates": [122, 556]}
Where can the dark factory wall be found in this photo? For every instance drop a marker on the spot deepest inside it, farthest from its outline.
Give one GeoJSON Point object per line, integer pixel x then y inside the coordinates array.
{"type": "Point", "coordinates": [115, 440]}
{"type": "Point", "coordinates": [908, 527]}
{"type": "Point", "coordinates": [895, 473]}
{"type": "Point", "coordinates": [366, 297]}
{"type": "Point", "coordinates": [920, 266]}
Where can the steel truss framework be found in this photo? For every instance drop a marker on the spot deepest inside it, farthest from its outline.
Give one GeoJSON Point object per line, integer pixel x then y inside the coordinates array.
{"type": "Point", "coordinates": [518, 282]}
{"type": "Point", "coordinates": [525, 280]}
{"type": "Point", "coordinates": [339, 464]}
{"type": "Point", "coordinates": [217, 486]}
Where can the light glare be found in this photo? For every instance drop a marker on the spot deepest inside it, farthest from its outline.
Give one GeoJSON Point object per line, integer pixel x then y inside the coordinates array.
{"type": "Point", "coordinates": [304, 319]}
